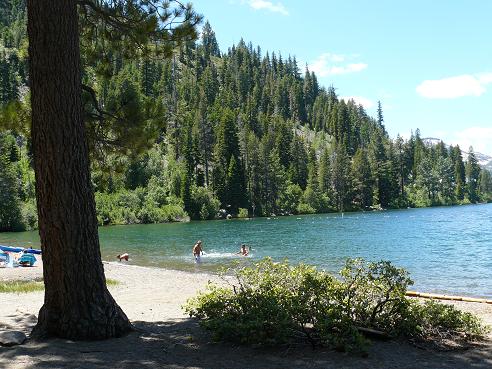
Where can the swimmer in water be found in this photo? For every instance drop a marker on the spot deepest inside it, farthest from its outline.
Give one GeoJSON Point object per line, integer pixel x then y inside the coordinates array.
{"type": "Point", "coordinates": [243, 251]}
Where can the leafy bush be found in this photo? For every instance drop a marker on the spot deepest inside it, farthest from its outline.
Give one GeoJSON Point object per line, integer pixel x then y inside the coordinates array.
{"type": "Point", "coordinates": [290, 198]}
{"type": "Point", "coordinates": [204, 204]}
{"type": "Point", "coordinates": [174, 213]}
{"type": "Point", "coordinates": [265, 305]}
{"type": "Point", "coordinates": [243, 213]}
{"type": "Point", "coordinates": [434, 321]}
{"type": "Point", "coordinates": [138, 206]}
{"type": "Point", "coordinates": [374, 294]}
{"type": "Point", "coordinates": [30, 215]}
{"type": "Point", "coordinates": [314, 199]}
{"type": "Point", "coordinates": [303, 208]}
{"type": "Point", "coordinates": [275, 303]}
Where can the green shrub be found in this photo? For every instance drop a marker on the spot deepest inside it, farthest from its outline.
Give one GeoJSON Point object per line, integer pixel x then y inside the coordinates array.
{"type": "Point", "coordinates": [204, 205]}
{"type": "Point", "coordinates": [243, 213]}
{"type": "Point", "coordinates": [138, 206]}
{"type": "Point", "coordinates": [303, 208]}
{"type": "Point", "coordinates": [374, 294]}
{"type": "Point", "coordinates": [150, 213]}
{"type": "Point", "coordinates": [174, 213]}
{"type": "Point", "coordinates": [290, 198]}
{"type": "Point", "coordinates": [274, 303]}
{"type": "Point", "coordinates": [30, 215]}
{"type": "Point", "coordinates": [434, 321]}
{"type": "Point", "coordinates": [315, 200]}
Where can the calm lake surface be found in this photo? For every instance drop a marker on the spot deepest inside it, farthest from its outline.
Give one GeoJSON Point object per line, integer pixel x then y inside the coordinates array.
{"type": "Point", "coordinates": [445, 249]}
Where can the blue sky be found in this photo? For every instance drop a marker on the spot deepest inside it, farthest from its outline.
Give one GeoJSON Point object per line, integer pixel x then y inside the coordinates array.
{"type": "Point", "coordinates": [429, 62]}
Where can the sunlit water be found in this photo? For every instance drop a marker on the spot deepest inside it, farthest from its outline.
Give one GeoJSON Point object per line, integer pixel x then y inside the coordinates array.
{"type": "Point", "coordinates": [446, 249]}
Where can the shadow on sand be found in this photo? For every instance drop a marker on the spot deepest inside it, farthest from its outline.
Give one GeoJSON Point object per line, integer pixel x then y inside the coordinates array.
{"type": "Point", "coordinates": [183, 344]}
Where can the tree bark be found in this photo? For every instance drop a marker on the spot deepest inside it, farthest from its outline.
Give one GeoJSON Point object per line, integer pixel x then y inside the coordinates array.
{"type": "Point", "coordinates": [77, 303]}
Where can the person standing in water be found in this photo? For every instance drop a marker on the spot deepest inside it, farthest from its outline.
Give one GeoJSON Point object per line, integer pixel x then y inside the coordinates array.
{"type": "Point", "coordinates": [244, 251]}
{"type": "Point", "coordinates": [197, 251]}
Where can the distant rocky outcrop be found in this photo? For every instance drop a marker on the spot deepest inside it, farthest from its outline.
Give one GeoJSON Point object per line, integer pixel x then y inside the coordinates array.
{"type": "Point", "coordinates": [484, 160]}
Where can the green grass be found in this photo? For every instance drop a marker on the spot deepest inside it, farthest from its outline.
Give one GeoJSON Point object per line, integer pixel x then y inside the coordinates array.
{"type": "Point", "coordinates": [112, 282]}
{"type": "Point", "coordinates": [21, 286]}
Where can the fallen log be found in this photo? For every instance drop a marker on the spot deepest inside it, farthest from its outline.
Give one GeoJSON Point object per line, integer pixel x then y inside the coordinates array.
{"type": "Point", "coordinates": [373, 333]}
{"type": "Point", "coordinates": [446, 297]}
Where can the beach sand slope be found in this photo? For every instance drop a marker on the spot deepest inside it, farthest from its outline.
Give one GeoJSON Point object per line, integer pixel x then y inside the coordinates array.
{"type": "Point", "coordinates": [166, 338]}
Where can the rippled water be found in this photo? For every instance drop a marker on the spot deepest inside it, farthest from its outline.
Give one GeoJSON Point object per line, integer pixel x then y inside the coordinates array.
{"type": "Point", "coordinates": [446, 249]}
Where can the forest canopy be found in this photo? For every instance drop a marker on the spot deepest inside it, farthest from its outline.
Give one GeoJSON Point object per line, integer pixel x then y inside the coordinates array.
{"type": "Point", "coordinates": [246, 131]}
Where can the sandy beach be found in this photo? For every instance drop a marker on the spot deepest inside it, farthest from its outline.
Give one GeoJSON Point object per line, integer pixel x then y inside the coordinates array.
{"type": "Point", "coordinates": [166, 338]}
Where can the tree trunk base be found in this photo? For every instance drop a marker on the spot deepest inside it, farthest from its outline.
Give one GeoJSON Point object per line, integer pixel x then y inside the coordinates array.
{"type": "Point", "coordinates": [96, 324]}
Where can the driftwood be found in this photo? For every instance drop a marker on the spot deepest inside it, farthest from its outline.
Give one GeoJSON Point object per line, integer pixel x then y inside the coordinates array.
{"type": "Point", "coordinates": [446, 297]}
{"type": "Point", "coordinates": [373, 333]}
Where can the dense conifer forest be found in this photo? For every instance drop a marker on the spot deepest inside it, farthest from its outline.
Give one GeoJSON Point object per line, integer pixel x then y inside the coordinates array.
{"type": "Point", "coordinates": [205, 134]}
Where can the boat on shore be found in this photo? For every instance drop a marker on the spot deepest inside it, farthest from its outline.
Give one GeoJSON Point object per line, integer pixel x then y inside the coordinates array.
{"type": "Point", "coordinates": [19, 249]}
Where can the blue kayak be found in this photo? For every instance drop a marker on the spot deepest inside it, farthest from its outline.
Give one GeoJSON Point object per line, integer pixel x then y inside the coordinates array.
{"type": "Point", "coordinates": [11, 248]}
{"type": "Point", "coordinates": [19, 249]}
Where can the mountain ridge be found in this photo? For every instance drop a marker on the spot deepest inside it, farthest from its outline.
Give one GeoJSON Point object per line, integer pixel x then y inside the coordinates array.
{"type": "Point", "coordinates": [484, 160]}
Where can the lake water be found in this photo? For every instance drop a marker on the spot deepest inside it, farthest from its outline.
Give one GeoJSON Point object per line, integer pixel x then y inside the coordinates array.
{"type": "Point", "coordinates": [446, 249]}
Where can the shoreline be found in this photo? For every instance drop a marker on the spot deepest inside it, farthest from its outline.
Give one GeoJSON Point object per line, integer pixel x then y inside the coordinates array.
{"type": "Point", "coordinates": [181, 284]}
{"type": "Point", "coordinates": [36, 272]}
{"type": "Point", "coordinates": [165, 337]}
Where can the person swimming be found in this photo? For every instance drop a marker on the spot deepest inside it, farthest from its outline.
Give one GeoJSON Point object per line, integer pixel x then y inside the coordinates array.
{"type": "Point", "coordinates": [197, 251]}
{"type": "Point", "coordinates": [243, 251]}
{"type": "Point", "coordinates": [123, 256]}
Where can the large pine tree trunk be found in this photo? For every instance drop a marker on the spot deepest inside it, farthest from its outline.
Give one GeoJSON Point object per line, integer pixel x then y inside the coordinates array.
{"type": "Point", "coordinates": [77, 304]}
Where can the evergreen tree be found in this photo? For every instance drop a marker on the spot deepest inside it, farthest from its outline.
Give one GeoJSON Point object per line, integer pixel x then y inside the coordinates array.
{"type": "Point", "coordinates": [380, 118]}
{"type": "Point", "coordinates": [459, 173]}
{"type": "Point", "coordinates": [444, 172]}
{"type": "Point", "coordinates": [77, 307]}
{"type": "Point", "coordinates": [378, 162]}
{"type": "Point", "coordinates": [10, 212]}
{"type": "Point", "coordinates": [185, 192]}
{"type": "Point", "coordinates": [472, 171]}
{"type": "Point", "coordinates": [362, 180]}
{"type": "Point", "coordinates": [248, 125]}
{"type": "Point", "coordinates": [209, 41]}
{"type": "Point", "coordinates": [427, 181]}
{"type": "Point", "coordinates": [324, 173]}
{"type": "Point", "coordinates": [485, 184]}
{"type": "Point", "coordinates": [341, 179]}
{"type": "Point", "coordinates": [312, 196]}
{"type": "Point", "coordinates": [235, 186]}
{"type": "Point", "coordinates": [229, 182]}
{"type": "Point", "coordinates": [298, 171]}
{"type": "Point", "coordinates": [402, 164]}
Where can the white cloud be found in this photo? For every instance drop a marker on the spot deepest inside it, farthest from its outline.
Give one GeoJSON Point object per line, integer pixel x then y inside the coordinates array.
{"type": "Point", "coordinates": [364, 101]}
{"type": "Point", "coordinates": [453, 87]}
{"type": "Point", "coordinates": [268, 5]}
{"type": "Point", "coordinates": [328, 64]}
{"type": "Point", "coordinates": [332, 57]}
{"type": "Point", "coordinates": [485, 78]}
{"type": "Point", "coordinates": [478, 137]}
